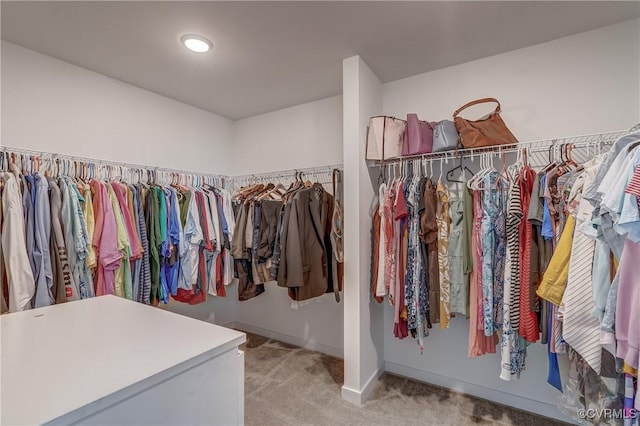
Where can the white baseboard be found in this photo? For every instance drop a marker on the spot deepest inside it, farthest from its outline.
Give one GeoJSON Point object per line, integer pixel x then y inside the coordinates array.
{"type": "Point", "coordinates": [351, 395]}
{"type": "Point", "coordinates": [360, 397]}
{"type": "Point", "coordinates": [504, 398]}
{"type": "Point", "coordinates": [292, 340]}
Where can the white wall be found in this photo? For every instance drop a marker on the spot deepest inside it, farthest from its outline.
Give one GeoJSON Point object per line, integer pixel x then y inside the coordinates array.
{"type": "Point", "coordinates": [363, 323]}
{"type": "Point", "coordinates": [316, 326]}
{"type": "Point", "coordinates": [305, 135]}
{"type": "Point", "coordinates": [582, 84]}
{"type": "Point", "coordinates": [52, 105]}
{"type": "Point", "coordinates": [586, 83]}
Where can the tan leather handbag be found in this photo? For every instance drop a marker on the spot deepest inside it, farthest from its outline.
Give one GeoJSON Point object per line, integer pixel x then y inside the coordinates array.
{"type": "Point", "coordinates": [487, 131]}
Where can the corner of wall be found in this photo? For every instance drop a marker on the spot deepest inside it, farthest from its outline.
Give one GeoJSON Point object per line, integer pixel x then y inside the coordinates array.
{"type": "Point", "coordinates": [363, 338]}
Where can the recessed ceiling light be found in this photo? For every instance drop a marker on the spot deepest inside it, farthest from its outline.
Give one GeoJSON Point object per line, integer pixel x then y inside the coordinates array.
{"type": "Point", "coordinates": [196, 43]}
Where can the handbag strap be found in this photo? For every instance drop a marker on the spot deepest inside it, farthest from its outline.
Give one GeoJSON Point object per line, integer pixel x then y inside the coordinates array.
{"type": "Point", "coordinates": [477, 101]}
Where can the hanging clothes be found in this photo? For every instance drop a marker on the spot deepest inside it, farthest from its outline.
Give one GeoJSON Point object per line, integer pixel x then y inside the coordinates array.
{"type": "Point", "coordinates": [490, 281]}
{"type": "Point", "coordinates": [306, 246]}
{"type": "Point", "coordinates": [439, 299]}
{"type": "Point", "coordinates": [76, 238]}
{"type": "Point", "coordinates": [375, 250]}
{"type": "Point", "coordinates": [512, 347]}
{"type": "Point", "coordinates": [42, 234]}
{"type": "Point", "coordinates": [417, 297]}
{"type": "Point", "coordinates": [461, 212]}
{"type": "Point", "coordinates": [83, 237]}
{"type": "Point", "coordinates": [528, 324]}
{"type": "Point", "coordinates": [429, 234]}
{"type": "Point", "coordinates": [64, 288]}
{"type": "Point", "coordinates": [104, 240]}
{"type": "Point", "coordinates": [285, 235]}
{"type": "Point", "coordinates": [550, 256]}
{"type": "Point", "coordinates": [479, 342]}
{"type": "Point", "coordinates": [400, 226]}
{"type": "Point", "coordinates": [21, 288]}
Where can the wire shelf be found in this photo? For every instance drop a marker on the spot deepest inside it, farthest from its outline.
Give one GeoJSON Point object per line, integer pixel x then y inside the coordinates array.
{"type": "Point", "coordinates": [124, 170]}
{"type": "Point", "coordinates": [319, 174]}
{"type": "Point", "coordinates": [534, 149]}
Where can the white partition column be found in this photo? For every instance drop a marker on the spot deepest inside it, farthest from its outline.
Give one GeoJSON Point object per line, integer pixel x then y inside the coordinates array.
{"type": "Point", "coordinates": [363, 317]}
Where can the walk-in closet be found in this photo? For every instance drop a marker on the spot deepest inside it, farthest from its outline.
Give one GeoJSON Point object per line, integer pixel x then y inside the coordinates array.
{"type": "Point", "coordinates": [299, 212]}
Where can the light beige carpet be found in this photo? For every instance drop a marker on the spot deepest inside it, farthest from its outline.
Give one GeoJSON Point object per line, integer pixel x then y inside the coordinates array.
{"type": "Point", "coordinates": [288, 385]}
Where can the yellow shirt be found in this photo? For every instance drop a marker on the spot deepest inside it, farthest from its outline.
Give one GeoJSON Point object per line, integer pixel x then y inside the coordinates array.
{"type": "Point", "coordinates": [87, 210]}
{"type": "Point", "coordinates": [555, 277]}
{"type": "Point", "coordinates": [626, 368]}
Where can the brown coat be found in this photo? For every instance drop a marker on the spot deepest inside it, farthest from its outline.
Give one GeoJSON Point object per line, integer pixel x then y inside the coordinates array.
{"type": "Point", "coordinates": [307, 262]}
{"type": "Point", "coordinates": [429, 238]}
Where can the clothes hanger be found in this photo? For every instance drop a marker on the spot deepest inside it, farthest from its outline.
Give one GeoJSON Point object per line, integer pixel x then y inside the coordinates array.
{"type": "Point", "coordinates": [577, 167]}
{"type": "Point", "coordinates": [477, 183]}
{"type": "Point", "coordinates": [552, 162]}
{"type": "Point", "coordinates": [514, 169]}
{"type": "Point", "coordinates": [472, 183]}
{"type": "Point", "coordinates": [266, 191]}
{"type": "Point", "coordinates": [488, 168]}
{"type": "Point", "coordinates": [78, 172]}
{"type": "Point", "coordinates": [569, 152]}
{"type": "Point", "coordinates": [47, 167]}
{"type": "Point", "coordinates": [451, 172]}
{"type": "Point", "coordinates": [502, 175]}
{"type": "Point", "coordinates": [566, 164]}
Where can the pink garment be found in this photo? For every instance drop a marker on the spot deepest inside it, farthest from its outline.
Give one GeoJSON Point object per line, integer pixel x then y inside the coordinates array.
{"type": "Point", "coordinates": [400, 329]}
{"type": "Point", "coordinates": [123, 200]}
{"type": "Point", "coordinates": [628, 305]}
{"type": "Point", "coordinates": [105, 240]}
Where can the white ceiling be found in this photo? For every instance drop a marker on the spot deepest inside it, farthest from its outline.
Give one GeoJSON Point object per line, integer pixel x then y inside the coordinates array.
{"type": "Point", "coordinates": [270, 55]}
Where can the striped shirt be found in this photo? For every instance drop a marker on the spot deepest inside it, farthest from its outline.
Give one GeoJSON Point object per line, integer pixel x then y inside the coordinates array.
{"type": "Point", "coordinates": [145, 270]}
{"type": "Point", "coordinates": [514, 217]}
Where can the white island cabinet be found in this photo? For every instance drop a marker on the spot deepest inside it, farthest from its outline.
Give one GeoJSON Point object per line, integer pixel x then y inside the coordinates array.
{"type": "Point", "coordinates": [111, 361]}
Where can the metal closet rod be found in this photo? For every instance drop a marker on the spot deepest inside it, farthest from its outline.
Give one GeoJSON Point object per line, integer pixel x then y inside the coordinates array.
{"type": "Point", "coordinates": [288, 173]}
{"type": "Point", "coordinates": [53, 156]}
{"type": "Point", "coordinates": [532, 146]}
